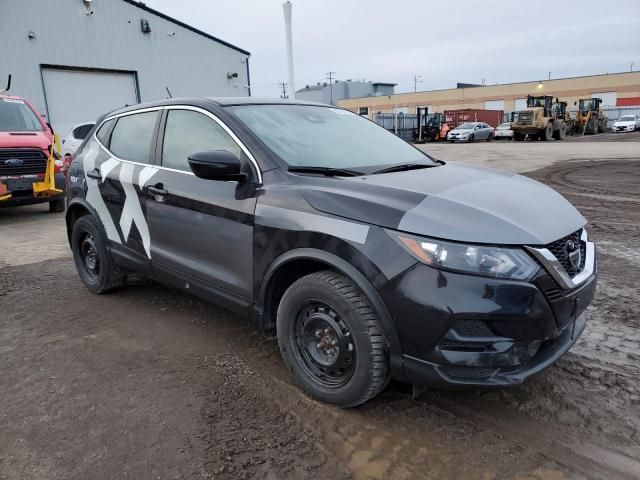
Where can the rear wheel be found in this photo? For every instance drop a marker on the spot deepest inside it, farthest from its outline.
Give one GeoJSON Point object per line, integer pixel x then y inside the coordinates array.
{"type": "Point", "coordinates": [95, 266]}
{"type": "Point", "coordinates": [490, 137]}
{"type": "Point", "coordinates": [593, 126]}
{"type": "Point", "coordinates": [561, 133]}
{"type": "Point", "coordinates": [331, 340]}
{"type": "Point", "coordinates": [56, 206]}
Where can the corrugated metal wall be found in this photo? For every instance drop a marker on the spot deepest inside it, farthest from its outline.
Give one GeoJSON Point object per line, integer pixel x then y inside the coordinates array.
{"type": "Point", "coordinates": [65, 35]}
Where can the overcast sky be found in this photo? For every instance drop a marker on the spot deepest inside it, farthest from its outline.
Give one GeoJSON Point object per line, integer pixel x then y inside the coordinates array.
{"type": "Point", "coordinates": [443, 42]}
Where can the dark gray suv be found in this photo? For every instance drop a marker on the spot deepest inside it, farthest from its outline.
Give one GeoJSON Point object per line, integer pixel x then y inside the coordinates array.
{"type": "Point", "coordinates": [367, 258]}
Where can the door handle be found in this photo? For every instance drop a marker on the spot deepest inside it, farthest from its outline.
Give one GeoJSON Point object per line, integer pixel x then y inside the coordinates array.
{"type": "Point", "coordinates": [158, 190]}
{"type": "Point", "coordinates": [95, 174]}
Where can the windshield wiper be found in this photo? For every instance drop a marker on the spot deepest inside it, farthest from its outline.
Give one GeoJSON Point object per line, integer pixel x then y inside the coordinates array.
{"type": "Point", "coordinates": [330, 172]}
{"type": "Point", "coordinates": [403, 167]}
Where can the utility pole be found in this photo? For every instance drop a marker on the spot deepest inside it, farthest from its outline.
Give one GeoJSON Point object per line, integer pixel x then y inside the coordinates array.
{"type": "Point", "coordinates": [330, 77]}
{"type": "Point", "coordinates": [287, 7]}
{"type": "Point", "coordinates": [416, 80]}
{"type": "Point", "coordinates": [283, 85]}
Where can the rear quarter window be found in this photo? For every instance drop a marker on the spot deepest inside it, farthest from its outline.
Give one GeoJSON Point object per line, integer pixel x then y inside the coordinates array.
{"type": "Point", "coordinates": [132, 135]}
{"type": "Point", "coordinates": [103, 132]}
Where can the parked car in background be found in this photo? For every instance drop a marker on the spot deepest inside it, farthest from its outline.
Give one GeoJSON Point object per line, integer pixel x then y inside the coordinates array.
{"type": "Point", "coordinates": [26, 143]}
{"type": "Point", "coordinates": [471, 131]}
{"type": "Point", "coordinates": [368, 259]}
{"type": "Point", "coordinates": [503, 131]}
{"type": "Point", "coordinates": [626, 123]}
{"type": "Point", "coordinates": [75, 137]}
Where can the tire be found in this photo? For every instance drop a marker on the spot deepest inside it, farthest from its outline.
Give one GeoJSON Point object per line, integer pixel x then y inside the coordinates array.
{"type": "Point", "coordinates": [593, 126]}
{"type": "Point", "coordinates": [56, 206]}
{"type": "Point", "coordinates": [490, 137]}
{"type": "Point", "coordinates": [352, 365]}
{"type": "Point", "coordinates": [561, 134]}
{"type": "Point", "coordinates": [603, 127]}
{"type": "Point", "coordinates": [89, 247]}
{"type": "Point", "coordinates": [518, 137]}
{"type": "Point", "coordinates": [472, 137]}
{"type": "Point", "coordinates": [547, 133]}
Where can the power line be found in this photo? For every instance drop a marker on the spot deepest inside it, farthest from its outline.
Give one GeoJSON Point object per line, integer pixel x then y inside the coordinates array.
{"type": "Point", "coordinates": [416, 80]}
{"type": "Point", "coordinates": [330, 77]}
{"type": "Point", "coordinates": [283, 85]}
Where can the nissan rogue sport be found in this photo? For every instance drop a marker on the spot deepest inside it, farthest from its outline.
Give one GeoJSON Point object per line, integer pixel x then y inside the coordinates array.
{"type": "Point", "coordinates": [367, 258]}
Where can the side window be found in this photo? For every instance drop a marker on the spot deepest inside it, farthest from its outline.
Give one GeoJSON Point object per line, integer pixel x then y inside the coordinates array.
{"type": "Point", "coordinates": [132, 135]}
{"type": "Point", "coordinates": [81, 132]}
{"type": "Point", "coordinates": [189, 132]}
{"type": "Point", "coordinates": [103, 131]}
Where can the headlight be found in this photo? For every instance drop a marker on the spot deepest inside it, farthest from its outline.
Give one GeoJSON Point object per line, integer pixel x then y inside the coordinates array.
{"type": "Point", "coordinates": [497, 262]}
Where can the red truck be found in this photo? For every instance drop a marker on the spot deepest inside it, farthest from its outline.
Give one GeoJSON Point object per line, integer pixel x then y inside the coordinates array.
{"type": "Point", "coordinates": [30, 170]}
{"type": "Point", "coordinates": [453, 118]}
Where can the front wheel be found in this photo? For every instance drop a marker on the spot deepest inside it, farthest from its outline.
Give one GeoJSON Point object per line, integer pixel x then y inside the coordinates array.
{"type": "Point", "coordinates": [472, 137]}
{"type": "Point", "coordinates": [56, 206]}
{"type": "Point", "coordinates": [547, 133]}
{"type": "Point", "coordinates": [331, 340]}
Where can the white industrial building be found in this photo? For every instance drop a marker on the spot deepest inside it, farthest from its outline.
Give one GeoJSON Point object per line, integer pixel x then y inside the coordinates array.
{"type": "Point", "coordinates": [77, 59]}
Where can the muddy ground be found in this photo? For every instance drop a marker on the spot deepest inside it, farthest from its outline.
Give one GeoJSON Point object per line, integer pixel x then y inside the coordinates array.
{"type": "Point", "coordinates": [150, 383]}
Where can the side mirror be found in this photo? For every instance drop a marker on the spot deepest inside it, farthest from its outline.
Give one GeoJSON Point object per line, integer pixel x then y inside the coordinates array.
{"type": "Point", "coordinates": [216, 165]}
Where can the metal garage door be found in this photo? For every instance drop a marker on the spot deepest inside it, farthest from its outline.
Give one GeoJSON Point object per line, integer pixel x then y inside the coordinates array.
{"type": "Point", "coordinates": [608, 98]}
{"type": "Point", "coordinates": [494, 105]}
{"type": "Point", "coordinates": [76, 96]}
{"type": "Point", "coordinates": [519, 104]}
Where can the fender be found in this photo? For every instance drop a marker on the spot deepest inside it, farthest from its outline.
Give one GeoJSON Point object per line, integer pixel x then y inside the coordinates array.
{"type": "Point", "coordinates": [348, 270]}
{"type": "Point", "coordinates": [123, 256]}
{"type": "Point", "coordinates": [74, 204]}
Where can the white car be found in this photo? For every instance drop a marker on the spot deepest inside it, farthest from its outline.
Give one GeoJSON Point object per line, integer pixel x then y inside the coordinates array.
{"type": "Point", "coordinates": [626, 123]}
{"type": "Point", "coordinates": [75, 137]}
{"type": "Point", "coordinates": [504, 131]}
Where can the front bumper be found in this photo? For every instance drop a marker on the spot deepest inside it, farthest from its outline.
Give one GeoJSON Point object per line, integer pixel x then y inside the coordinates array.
{"type": "Point", "coordinates": [626, 128]}
{"type": "Point", "coordinates": [462, 331]}
{"type": "Point", "coordinates": [22, 191]}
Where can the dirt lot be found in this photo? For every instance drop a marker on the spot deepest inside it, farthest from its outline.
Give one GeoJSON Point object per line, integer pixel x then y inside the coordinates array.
{"type": "Point", "coordinates": [150, 383]}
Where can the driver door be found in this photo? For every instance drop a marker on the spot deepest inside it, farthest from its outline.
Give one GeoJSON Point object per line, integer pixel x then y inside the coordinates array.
{"type": "Point", "coordinates": [201, 230]}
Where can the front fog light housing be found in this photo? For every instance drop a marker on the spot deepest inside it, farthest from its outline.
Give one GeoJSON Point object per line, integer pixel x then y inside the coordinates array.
{"type": "Point", "coordinates": [487, 261]}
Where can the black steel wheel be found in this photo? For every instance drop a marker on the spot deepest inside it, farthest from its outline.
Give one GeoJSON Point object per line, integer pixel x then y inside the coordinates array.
{"type": "Point", "coordinates": [90, 260]}
{"type": "Point", "coordinates": [331, 340]}
{"type": "Point", "coordinates": [96, 268]}
{"type": "Point", "coordinates": [324, 345]}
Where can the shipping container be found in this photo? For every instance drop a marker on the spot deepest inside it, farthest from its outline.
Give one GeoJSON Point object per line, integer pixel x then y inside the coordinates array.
{"type": "Point", "coordinates": [456, 117]}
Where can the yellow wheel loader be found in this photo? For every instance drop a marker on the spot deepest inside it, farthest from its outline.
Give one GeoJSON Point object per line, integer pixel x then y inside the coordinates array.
{"type": "Point", "coordinates": [543, 119]}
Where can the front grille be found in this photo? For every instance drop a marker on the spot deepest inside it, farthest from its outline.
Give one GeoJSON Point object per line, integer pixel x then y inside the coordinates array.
{"type": "Point", "coordinates": [22, 161]}
{"type": "Point", "coordinates": [560, 249]}
{"type": "Point", "coordinates": [472, 328]}
{"type": "Point", "coordinates": [468, 372]}
{"type": "Point", "coordinates": [525, 117]}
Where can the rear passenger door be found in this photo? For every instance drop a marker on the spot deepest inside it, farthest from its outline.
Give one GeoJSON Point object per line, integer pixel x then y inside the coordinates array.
{"type": "Point", "coordinates": [121, 175]}
{"type": "Point", "coordinates": [201, 230]}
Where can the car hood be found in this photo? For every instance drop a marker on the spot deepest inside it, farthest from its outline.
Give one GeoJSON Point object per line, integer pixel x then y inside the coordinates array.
{"type": "Point", "coordinates": [454, 202]}
{"type": "Point", "coordinates": [623, 124]}
{"type": "Point", "coordinates": [24, 140]}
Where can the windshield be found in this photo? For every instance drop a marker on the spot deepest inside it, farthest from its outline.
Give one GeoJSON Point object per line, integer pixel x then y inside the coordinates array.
{"type": "Point", "coordinates": [586, 105]}
{"type": "Point", "coordinates": [326, 137]}
{"type": "Point", "coordinates": [627, 118]}
{"type": "Point", "coordinates": [16, 116]}
{"type": "Point", "coordinates": [466, 126]}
